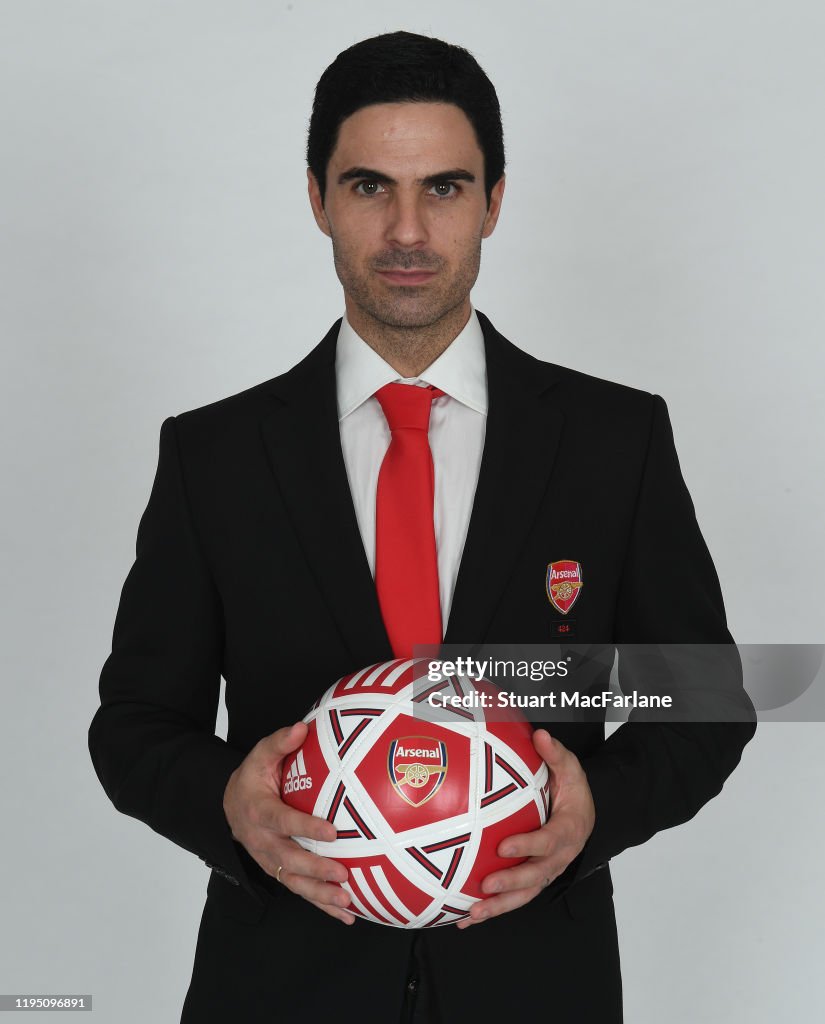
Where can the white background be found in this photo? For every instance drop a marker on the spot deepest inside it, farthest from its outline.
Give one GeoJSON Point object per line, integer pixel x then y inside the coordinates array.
{"type": "Point", "coordinates": [663, 226]}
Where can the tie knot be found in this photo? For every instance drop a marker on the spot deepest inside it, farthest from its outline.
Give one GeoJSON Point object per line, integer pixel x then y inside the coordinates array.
{"type": "Point", "coordinates": [407, 406]}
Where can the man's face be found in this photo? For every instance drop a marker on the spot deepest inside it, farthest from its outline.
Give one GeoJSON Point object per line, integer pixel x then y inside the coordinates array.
{"type": "Point", "coordinates": [406, 210]}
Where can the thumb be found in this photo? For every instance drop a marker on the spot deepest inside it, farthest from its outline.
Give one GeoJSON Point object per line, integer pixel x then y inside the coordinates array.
{"type": "Point", "coordinates": [284, 741]}
{"type": "Point", "coordinates": [549, 750]}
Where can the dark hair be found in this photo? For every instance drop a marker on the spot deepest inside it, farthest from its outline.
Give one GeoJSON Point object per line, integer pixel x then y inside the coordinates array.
{"type": "Point", "coordinates": [403, 67]}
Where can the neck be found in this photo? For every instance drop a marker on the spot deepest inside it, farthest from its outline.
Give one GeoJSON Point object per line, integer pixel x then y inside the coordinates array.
{"type": "Point", "coordinates": [409, 350]}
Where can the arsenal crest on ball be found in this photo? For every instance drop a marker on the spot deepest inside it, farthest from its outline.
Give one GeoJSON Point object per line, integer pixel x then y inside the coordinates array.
{"type": "Point", "coordinates": [564, 583]}
{"type": "Point", "coordinates": [417, 766]}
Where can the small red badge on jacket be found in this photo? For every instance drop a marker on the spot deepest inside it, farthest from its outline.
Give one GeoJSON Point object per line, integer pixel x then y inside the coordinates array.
{"type": "Point", "coordinates": [564, 584]}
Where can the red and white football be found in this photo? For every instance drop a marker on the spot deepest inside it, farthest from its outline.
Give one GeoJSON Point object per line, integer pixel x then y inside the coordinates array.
{"type": "Point", "coordinates": [421, 799]}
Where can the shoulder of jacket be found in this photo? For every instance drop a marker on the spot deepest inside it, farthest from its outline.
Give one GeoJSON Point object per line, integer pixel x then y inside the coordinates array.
{"type": "Point", "coordinates": [568, 385]}
{"type": "Point", "coordinates": [245, 407]}
{"type": "Point", "coordinates": [231, 409]}
{"type": "Point", "coordinates": [598, 397]}
{"type": "Point", "coordinates": [599, 388]}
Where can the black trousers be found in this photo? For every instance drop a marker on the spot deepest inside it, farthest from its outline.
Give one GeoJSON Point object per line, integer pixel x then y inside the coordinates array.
{"type": "Point", "coordinates": [420, 998]}
{"type": "Point", "coordinates": [287, 961]}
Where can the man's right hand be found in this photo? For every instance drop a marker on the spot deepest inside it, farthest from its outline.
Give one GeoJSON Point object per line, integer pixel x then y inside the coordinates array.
{"type": "Point", "coordinates": [263, 824]}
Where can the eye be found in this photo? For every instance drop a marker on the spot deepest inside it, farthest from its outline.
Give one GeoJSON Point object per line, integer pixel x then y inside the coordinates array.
{"type": "Point", "coordinates": [368, 188]}
{"type": "Point", "coordinates": [443, 189]}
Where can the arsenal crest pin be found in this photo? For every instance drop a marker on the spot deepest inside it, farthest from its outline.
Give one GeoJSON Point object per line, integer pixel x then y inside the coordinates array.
{"type": "Point", "coordinates": [564, 584]}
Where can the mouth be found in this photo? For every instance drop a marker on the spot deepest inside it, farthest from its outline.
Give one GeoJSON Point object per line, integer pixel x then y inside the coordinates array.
{"type": "Point", "coordinates": [407, 277]}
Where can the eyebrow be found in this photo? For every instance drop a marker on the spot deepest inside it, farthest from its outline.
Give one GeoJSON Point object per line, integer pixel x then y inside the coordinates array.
{"type": "Point", "coordinates": [441, 178]}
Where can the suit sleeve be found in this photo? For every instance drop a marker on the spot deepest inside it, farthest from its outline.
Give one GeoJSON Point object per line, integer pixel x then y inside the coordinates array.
{"type": "Point", "coordinates": [650, 776]}
{"type": "Point", "coordinates": [152, 741]}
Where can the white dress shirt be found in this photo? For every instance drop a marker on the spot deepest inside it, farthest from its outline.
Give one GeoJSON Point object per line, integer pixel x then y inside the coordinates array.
{"type": "Point", "coordinates": [458, 421]}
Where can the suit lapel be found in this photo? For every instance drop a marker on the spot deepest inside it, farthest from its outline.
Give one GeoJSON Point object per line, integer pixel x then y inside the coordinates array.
{"type": "Point", "coordinates": [303, 441]}
{"type": "Point", "coordinates": [524, 428]}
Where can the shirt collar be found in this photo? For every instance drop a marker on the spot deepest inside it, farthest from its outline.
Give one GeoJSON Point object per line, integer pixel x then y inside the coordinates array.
{"type": "Point", "coordinates": [460, 371]}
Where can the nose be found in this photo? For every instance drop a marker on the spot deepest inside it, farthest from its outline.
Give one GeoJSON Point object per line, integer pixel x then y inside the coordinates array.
{"type": "Point", "coordinates": [406, 224]}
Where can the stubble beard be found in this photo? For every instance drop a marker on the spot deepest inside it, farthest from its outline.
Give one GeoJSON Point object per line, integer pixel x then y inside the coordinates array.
{"type": "Point", "coordinates": [407, 315]}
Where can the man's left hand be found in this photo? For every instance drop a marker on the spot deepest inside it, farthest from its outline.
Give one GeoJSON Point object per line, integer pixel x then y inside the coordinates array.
{"type": "Point", "coordinates": [550, 848]}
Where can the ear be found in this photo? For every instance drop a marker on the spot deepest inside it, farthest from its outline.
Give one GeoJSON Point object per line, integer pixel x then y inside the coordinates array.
{"type": "Point", "coordinates": [490, 220]}
{"type": "Point", "coordinates": [317, 204]}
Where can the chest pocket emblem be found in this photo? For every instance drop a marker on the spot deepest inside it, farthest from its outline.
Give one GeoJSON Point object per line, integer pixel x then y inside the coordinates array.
{"type": "Point", "coordinates": [564, 584]}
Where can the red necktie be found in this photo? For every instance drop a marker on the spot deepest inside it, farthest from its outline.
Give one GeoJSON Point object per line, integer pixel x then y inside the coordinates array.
{"type": "Point", "coordinates": [406, 565]}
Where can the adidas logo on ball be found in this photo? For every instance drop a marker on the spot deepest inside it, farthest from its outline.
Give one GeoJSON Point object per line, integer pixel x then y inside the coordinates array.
{"type": "Point", "coordinates": [297, 778]}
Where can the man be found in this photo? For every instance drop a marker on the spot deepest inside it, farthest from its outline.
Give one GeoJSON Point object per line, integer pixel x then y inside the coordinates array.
{"type": "Point", "coordinates": [275, 551]}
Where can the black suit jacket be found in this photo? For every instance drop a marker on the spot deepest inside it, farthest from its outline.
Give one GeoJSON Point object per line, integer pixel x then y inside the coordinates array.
{"type": "Point", "coordinates": [249, 565]}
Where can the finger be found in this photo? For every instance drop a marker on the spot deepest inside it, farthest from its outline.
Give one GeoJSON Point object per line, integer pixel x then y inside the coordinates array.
{"type": "Point", "coordinates": [272, 813]}
{"type": "Point", "coordinates": [558, 850]}
{"type": "Point", "coordinates": [319, 892]}
{"type": "Point", "coordinates": [539, 843]}
{"type": "Point", "coordinates": [291, 857]}
{"type": "Point", "coordinates": [530, 875]}
{"type": "Point", "coordinates": [502, 904]}
{"type": "Point", "coordinates": [287, 855]}
{"type": "Point", "coordinates": [340, 915]}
